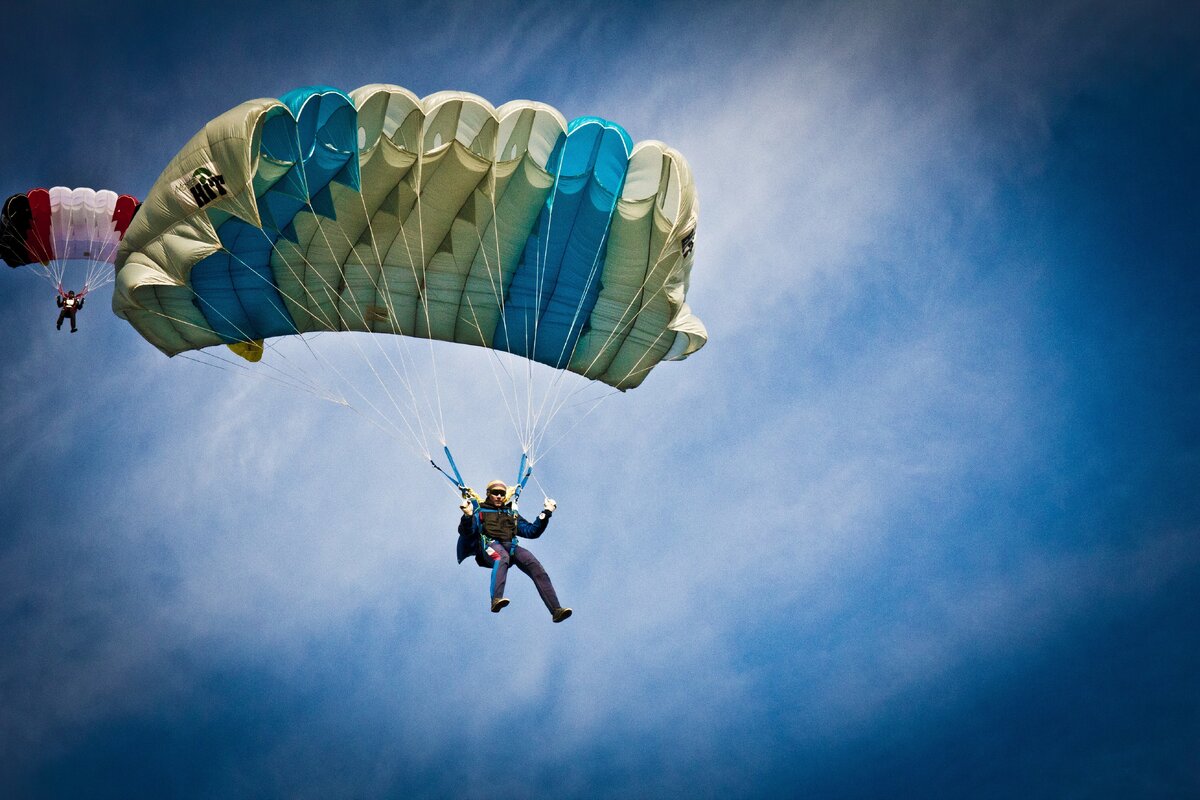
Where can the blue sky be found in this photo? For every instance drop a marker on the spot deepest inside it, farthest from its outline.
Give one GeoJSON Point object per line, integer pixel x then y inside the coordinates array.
{"type": "Point", "coordinates": [920, 519]}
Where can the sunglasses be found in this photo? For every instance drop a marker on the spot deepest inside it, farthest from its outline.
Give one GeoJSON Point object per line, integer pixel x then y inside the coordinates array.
{"type": "Point", "coordinates": [496, 492]}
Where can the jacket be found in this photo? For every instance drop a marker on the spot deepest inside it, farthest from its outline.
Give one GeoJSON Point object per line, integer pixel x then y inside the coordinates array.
{"type": "Point", "coordinates": [470, 533]}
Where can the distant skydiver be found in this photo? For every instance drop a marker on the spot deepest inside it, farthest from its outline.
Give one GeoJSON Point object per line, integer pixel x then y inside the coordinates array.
{"type": "Point", "coordinates": [490, 533]}
{"type": "Point", "coordinates": [70, 304]}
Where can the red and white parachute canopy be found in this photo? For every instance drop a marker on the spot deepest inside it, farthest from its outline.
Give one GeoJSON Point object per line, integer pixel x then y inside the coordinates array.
{"type": "Point", "coordinates": [66, 235]}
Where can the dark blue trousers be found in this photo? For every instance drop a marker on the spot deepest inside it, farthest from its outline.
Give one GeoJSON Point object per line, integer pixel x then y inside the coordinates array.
{"type": "Point", "coordinates": [526, 562]}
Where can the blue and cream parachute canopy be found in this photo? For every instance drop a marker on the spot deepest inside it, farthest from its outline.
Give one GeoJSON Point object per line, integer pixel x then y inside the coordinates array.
{"type": "Point", "coordinates": [441, 218]}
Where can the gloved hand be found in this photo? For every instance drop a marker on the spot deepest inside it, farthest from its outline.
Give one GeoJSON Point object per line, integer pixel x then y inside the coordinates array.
{"type": "Point", "coordinates": [466, 507]}
{"type": "Point", "coordinates": [550, 505]}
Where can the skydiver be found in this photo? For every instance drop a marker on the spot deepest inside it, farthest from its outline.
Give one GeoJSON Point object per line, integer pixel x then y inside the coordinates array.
{"type": "Point", "coordinates": [69, 304]}
{"type": "Point", "coordinates": [490, 535]}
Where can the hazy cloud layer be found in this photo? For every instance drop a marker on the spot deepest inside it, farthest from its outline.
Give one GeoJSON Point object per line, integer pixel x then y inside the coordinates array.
{"type": "Point", "coordinates": [914, 469]}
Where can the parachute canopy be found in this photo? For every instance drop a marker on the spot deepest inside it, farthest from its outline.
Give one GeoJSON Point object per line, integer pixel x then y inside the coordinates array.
{"type": "Point", "coordinates": [51, 228]}
{"type": "Point", "coordinates": [441, 218]}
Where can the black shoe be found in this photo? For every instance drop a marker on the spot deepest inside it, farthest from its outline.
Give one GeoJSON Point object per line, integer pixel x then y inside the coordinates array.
{"type": "Point", "coordinates": [499, 603]}
{"type": "Point", "coordinates": [559, 614]}
{"type": "Point", "coordinates": [74, 329]}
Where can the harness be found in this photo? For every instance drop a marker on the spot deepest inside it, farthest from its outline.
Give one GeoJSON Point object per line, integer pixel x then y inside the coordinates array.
{"type": "Point", "coordinates": [500, 528]}
{"type": "Point", "coordinates": [524, 473]}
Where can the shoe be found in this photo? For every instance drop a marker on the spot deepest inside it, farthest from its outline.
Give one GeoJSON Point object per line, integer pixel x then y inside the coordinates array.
{"type": "Point", "coordinates": [499, 603]}
{"type": "Point", "coordinates": [559, 614]}
{"type": "Point", "coordinates": [74, 329]}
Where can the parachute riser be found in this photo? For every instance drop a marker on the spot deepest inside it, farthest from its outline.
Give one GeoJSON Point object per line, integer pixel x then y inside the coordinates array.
{"type": "Point", "coordinates": [524, 473]}
{"type": "Point", "coordinates": [457, 484]}
{"type": "Point", "coordinates": [456, 480]}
